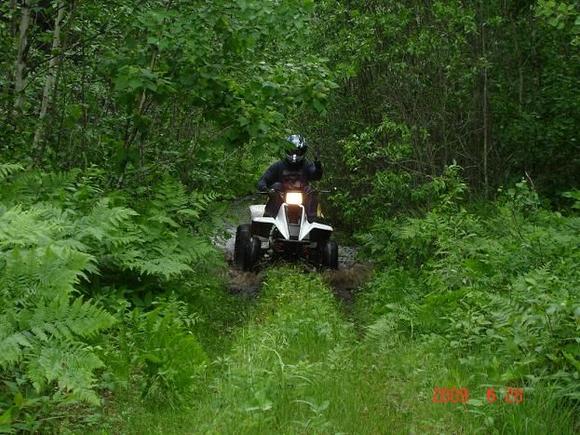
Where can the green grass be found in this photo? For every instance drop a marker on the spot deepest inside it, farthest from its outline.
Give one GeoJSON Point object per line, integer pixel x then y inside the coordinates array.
{"type": "Point", "coordinates": [298, 367]}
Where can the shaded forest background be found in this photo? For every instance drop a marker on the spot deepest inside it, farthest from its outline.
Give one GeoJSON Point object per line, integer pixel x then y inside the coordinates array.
{"type": "Point", "coordinates": [449, 128]}
{"type": "Point", "coordinates": [144, 87]}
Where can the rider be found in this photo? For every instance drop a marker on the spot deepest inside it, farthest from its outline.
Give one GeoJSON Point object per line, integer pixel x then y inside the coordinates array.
{"type": "Point", "coordinates": [293, 172]}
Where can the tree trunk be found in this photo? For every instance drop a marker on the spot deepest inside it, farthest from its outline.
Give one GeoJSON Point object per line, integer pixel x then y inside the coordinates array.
{"type": "Point", "coordinates": [50, 78]}
{"type": "Point", "coordinates": [20, 65]}
{"type": "Point", "coordinates": [14, 23]}
{"type": "Point", "coordinates": [485, 115]}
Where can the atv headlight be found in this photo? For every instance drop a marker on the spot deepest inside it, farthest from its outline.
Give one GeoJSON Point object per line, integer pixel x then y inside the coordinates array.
{"type": "Point", "coordinates": [294, 198]}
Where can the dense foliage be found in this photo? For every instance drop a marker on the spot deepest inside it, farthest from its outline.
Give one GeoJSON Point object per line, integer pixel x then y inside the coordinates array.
{"type": "Point", "coordinates": [142, 87]}
{"type": "Point", "coordinates": [499, 289]}
{"type": "Point", "coordinates": [450, 131]}
{"type": "Point", "coordinates": [490, 85]}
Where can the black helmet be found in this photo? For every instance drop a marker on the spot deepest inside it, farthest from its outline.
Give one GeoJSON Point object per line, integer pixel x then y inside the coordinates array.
{"type": "Point", "coordinates": [295, 152]}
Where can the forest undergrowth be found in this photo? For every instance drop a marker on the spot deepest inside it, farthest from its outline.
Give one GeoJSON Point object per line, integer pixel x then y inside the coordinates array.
{"type": "Point", "coordinates": [112, 328]}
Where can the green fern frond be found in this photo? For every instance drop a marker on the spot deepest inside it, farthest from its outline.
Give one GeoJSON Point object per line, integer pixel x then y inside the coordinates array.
{"type": "Point", "coordinates": [103, 222]}
{"type": "Point", "coordinates": [67, 321]}
{"type": "Point", "coordinates": [20, 227]}
{"type": "Point", "coordinates": [51, 271]}
{"type": "Point", "coordinates": [164, 219]}
{"type": "Point", "coordinates": [11, 344]}
{"type": "Point", "coordinates": [170, 195]}
{"type": "Point", "coordinates": [72, 368]}
{"type": "Point", "coordinates": [165, 267]}
{"type": "Point", "coordinates": [7, 169]}
{"type": "Point", "coordinates": [201, 201]}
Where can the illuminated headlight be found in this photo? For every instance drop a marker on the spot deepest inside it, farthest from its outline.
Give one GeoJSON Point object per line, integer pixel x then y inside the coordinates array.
{"type": "Point", "coordinates": [294, 198]}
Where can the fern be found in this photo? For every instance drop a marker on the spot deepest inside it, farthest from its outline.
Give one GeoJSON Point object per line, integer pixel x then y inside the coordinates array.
{"type": "Point", "coordinates": [70, 366]}
{"type": "Point", "coordinates": [105, 224]}
{"type": "Point", "coordinates": [12, 343]}
{"type": "Point", "coordinates": [66, 321]}
{"type": "Point", "coordinates": [20, 227]}
{"type": "Point", "coordinates": [56, 231]}
{"type": "Point", "coordinates": [42, 327]}
{"type": "Point", "coordinates": [170, 195]}
{"type": "Point", "coordinates": [166, 267]}
{"type": "Point", "coordinates": [7, 169]}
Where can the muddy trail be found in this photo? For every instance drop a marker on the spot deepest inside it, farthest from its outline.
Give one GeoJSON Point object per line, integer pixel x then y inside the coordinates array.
{"type": "Point", "coordinates": [351, 274]}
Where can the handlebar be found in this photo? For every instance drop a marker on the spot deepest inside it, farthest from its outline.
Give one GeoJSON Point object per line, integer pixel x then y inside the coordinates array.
{"type": "Point", "coordinates": [267, 192]}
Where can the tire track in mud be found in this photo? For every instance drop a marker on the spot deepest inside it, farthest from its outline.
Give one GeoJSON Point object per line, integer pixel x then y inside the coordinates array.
{"type": "Point", "coordinates": [350, 275]}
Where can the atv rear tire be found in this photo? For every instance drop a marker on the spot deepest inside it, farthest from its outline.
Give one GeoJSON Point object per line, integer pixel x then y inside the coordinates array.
{"type": "Point", "coordinates": [329, 254]}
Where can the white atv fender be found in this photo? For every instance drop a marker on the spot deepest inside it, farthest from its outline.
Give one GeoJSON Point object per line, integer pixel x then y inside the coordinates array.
{"type": "Point", "coordinates": [297, 232]}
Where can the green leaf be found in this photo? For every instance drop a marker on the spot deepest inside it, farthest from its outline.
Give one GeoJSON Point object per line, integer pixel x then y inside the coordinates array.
{"type": "Point", "coordinates": [6, 418]}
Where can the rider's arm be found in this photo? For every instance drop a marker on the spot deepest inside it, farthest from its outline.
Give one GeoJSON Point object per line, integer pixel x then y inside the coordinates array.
{"type": "Point", "coordinates": [314, 171]}
{"type": "Point", "coordinates": [270, 177]}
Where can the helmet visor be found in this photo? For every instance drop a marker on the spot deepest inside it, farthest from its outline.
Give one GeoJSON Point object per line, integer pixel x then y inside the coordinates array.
{"type": "Point", "coordinates": [294, 158]}
{"type": "Point", "coordinates": [299, 151]}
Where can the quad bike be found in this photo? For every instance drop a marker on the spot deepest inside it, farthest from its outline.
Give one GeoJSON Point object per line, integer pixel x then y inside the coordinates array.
{"type": "Point", "coordinates": [289, 235]}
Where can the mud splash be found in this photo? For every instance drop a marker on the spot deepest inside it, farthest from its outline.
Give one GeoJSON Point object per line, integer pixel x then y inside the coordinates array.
{"type": "Point", "coordinates": [344, 282]}
{"type": "Point", "coordinates": [347, 280]}
{"type": "Point", "coordinates": [244, 283]}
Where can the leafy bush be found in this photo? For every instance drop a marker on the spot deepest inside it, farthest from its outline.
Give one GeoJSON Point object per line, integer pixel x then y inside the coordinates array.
{"type": "Point", "coordinates": [502, 290]}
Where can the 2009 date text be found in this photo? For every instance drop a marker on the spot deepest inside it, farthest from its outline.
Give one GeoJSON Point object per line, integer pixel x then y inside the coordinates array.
{"type": "Point", "coordinates": [511, 395]}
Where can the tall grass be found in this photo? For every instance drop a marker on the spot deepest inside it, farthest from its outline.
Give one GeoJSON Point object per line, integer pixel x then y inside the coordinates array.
{"type": "Point", "coordinates": [298, 367]}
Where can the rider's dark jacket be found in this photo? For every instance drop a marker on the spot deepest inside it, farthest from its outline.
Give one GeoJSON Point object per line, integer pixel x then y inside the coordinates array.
{"type": "Point", "coordinates": [290, 175]}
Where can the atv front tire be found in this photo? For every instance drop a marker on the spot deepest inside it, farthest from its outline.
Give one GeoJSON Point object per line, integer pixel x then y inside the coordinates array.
{"type": "Point", "coordinates": [243, 235]}
{"type": "Point", "coordinates": [329, 254]}
{"type": "Point", "coordinates": [246, 249]}
{"type": "Point", "coordinates": [252, 253]}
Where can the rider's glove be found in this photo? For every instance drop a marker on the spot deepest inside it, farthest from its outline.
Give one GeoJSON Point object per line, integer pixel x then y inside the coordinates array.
{"type": "Point", "coordinates": [317, 163]}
